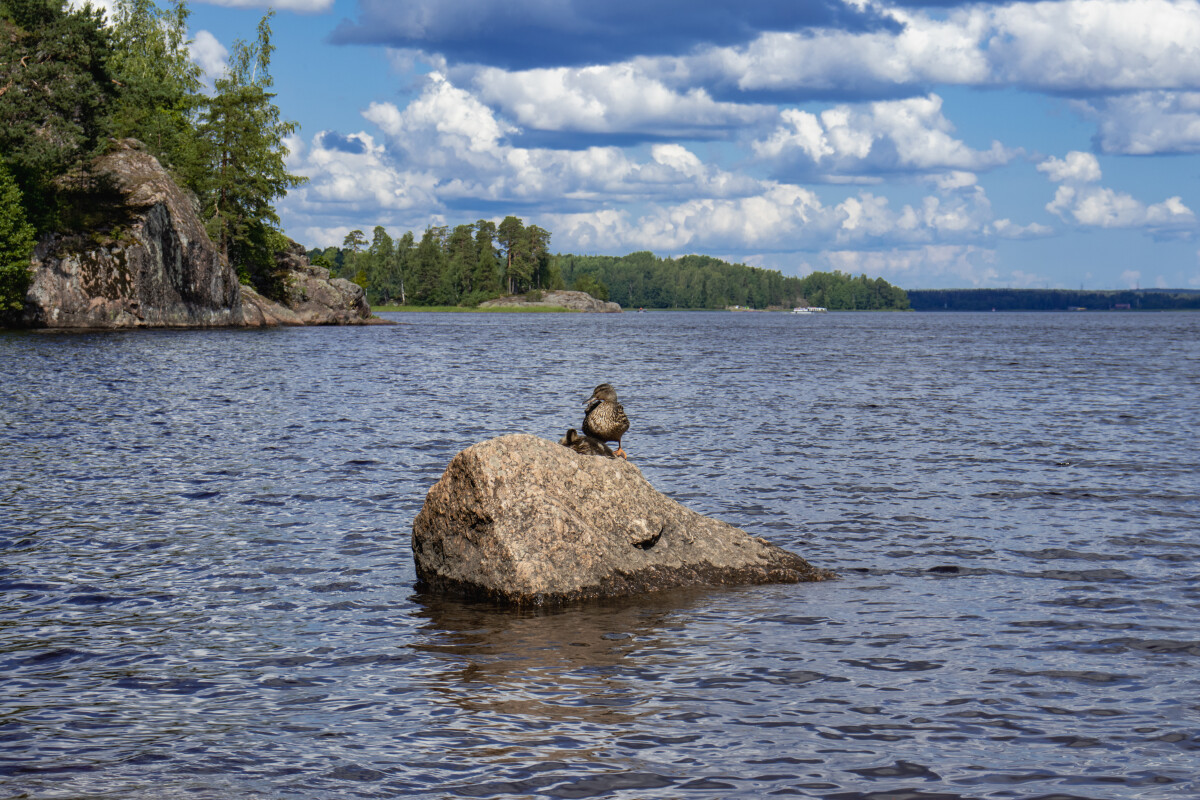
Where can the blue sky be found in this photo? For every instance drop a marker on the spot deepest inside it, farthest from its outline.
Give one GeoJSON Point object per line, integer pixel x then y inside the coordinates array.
{"type": "Point", "coordinates": [935, 144]}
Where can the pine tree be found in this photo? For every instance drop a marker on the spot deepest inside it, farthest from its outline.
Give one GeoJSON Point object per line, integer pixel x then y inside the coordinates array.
{"type": "Point", "coordinates": [16, 245]}
{"type": "Point", "coordinates": [55, 90]}
{"type": "Point", "coordinates": [429, 263]}
{"type": "Point", "coordinates": [355, 242]}
{"type": "Point", "coordinates": [509, 235]}
{"type": "Point", "coordinates": [160, 84]}
{"type": "Point", "coordinates": [537, 250]}
{"type": "Point", "coordinates": [486, 279]}
{"type": "Point", "coordinates": [405, 259]}
{"type": "Point", "coordinates": [244, 135]}
{"type": "Point", "coordinates": [458, 277]}
{"type": "Point", "coordinates": [381, 268]}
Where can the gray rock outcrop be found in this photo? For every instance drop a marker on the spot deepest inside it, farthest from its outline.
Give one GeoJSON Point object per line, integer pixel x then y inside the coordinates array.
{"type": "Point", "coordinates": [526, 521]}
{"type": "Point", "coordinates": [573, 301]}
{"type": "Point", "coordinates": [151, 264]}
{"type": "Point", "coordinates": [155, 266]}
{"type": "Point", "coordinates": [312, 297]}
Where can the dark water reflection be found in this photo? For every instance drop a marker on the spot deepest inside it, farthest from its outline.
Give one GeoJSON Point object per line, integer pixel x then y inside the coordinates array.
{"type": "Point", "coordinates": [206, 589]}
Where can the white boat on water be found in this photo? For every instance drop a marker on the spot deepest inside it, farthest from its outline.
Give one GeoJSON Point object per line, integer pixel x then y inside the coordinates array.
{"type": "Point", "coordinates": [808, 310]}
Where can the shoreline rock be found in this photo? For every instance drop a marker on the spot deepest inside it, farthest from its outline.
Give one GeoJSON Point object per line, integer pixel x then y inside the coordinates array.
{"type": "Point", "coordinates": [558, 298]}
{"type": "Point", "coordinates": [151, 264]}
{"type": "Point", "coordinates": [525, 521]}
{"type": "Point", "coordinates": [313, 298]}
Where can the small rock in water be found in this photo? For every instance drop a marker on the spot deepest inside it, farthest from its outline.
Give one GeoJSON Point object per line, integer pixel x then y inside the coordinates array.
{"type": "Point", "coordinates": [522, 520]}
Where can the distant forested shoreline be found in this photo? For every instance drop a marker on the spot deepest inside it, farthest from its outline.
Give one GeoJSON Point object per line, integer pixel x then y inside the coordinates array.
{"type": "Point", "coordinates": [1053, 300]}
{"type": "Point", "coordinates": [470, 263]}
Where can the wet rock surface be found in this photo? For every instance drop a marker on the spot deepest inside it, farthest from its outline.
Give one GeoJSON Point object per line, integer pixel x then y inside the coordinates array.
{"type": "Point", "coordinates": [523, 520]}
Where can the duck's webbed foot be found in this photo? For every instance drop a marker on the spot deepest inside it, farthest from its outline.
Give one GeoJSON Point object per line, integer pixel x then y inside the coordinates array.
{"type": "Point", "coordinates": [621, 452]}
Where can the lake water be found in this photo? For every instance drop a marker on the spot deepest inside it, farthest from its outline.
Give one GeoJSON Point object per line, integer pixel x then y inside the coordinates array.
{"type": "Point", "coordinates": [207, 590]}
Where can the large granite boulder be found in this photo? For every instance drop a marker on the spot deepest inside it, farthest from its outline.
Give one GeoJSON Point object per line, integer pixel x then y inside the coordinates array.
{"type": "Point", "coordinates": [151, 264]}
{"type": "Point", "coordinates": [558, 298]}
{"type": "Point", "coordinates": [524, 520]}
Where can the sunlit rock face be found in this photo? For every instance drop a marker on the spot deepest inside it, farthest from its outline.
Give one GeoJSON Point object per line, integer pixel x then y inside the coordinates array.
{"type": "Point", "coordinates": [311, 297]}
{"type": "Point", "coordinates": [146, 261]}
{"type": "Point", "coordinates": [523, 520]}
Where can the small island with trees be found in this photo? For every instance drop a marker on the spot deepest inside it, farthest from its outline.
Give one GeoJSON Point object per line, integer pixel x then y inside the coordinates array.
{"type": "Point", "coordinates": [472, 263]}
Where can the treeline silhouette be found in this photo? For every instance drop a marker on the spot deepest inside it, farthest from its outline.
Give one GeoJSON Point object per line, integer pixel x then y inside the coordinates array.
{"type": "Point", "coordinates": [644, 280]}
{"type": "Point", "coordinates": [469, 264]}
{"type": "Point", "coordinates": [460, 266]}
{"type": "Point", "coordinates": [1052, 299]}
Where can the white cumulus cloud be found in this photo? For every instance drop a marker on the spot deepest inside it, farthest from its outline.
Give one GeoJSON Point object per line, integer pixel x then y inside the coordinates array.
{"type": "Point", "coordinates": [614, 98]}
{"type": "Point", "coordinates": [447, 150]}
{"type": "Point", "coordinates": [1058, 45]}
{"type": "Point", "coordinates": [209, 53]}
{"type": "Point", "coordinates": [894, 135]}
{"type": "Point", "coordinates": [1077, 167]}
{"type": "Point", "coordinates": [1146, 123]}
{"type": "Point", "coordinates": [937, 264]}
{"type": "Point", "coordinates": [1079, 199]}
{"type": "Point", "coordinates": [449, 129]}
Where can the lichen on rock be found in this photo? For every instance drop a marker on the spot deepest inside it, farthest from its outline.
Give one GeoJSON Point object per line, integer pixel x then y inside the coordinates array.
{"type": "Point", "coordinates": [523, 520]}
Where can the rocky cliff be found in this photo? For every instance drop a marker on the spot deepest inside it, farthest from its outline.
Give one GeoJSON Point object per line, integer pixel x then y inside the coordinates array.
{"type": "Point", "coordinates": [151, 264]}
{"type": "Point", "coordinates": [527, 521]}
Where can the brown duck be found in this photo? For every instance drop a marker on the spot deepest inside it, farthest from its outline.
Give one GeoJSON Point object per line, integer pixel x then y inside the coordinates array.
{"type": "Point", "coordinates": [587, 445]}
{"type": "Point", "coordinates": [604, 418]}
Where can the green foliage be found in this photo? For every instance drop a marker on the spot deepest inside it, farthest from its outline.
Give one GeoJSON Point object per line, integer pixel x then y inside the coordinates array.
{"type": "Point", "coordinates": [55, 91]}
{"type": "Point", "coordinates": [380, 267]}
{"type": "Point", "coordinates": [839, 291]}
{"type": "Point", "coordinates": [68, 82]}
{"type": "Point", "coordinates": [588, 283]}
{"type": "Point", "coordinates": [463, 266]}
{"type": "Point", "coordinates": [535, 249]}
{"type": "Point", "coordinates": [474, 263]}
{"type": "Point", "coordinates": [159, 84]}
{"type": "Point", "coordinates": [16, 245]}
{"type": "Point", "coordinates": [458, 275]}
{"type": "Point", "coordinates": [644, 280]}
{"type": "Point", "coordinates": [469, 264]}
{"type": "Point", "coordinates": [243, 136]}
{"type": "Point", "coordinates": [486, 279]}
{"type": "Point", "coordinates": [510, 234]}
{"type": "Point", "coordinates": [354, 243]}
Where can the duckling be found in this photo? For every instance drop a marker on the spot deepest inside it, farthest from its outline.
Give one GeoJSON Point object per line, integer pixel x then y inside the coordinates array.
{"type": "Point", "coordinates": [604, 418]}
{"type": "Point", "coordinates": [586, 445]}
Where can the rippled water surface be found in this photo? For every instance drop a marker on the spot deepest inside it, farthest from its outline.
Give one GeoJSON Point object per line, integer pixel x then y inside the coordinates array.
{"type": "Point", "coordinates": [207, 591]}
